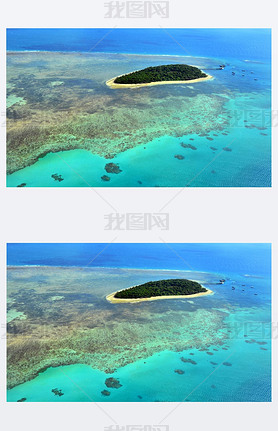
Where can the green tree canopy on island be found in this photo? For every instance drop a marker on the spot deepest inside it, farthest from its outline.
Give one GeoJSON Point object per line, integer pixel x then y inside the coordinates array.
{"type": "Point", "coordinates": [161, 288]}
{"type": "Point", "coordinates": [170, 72]}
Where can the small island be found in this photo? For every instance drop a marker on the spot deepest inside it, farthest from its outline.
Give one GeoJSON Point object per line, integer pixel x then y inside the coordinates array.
{"type": "Point", "coordinates": [162, 289]}
{"type": "Point", "coordinates": [155, 75]}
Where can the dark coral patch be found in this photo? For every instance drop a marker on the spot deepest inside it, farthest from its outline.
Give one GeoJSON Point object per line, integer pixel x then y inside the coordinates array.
{"type": "Point", "coordinates": [188, 146]}
{"type": "Point", "coordinates": [112, 168]}
{"type": "Point", "coordinates": [57, 391]}
{"type": "Point", "coordinates": [111, 382]}
{"type": "Point", "coordinates": [190, 361]}
{"type": "Point", "coordinates": [57, 177]}
{"type": "Point", "coordinates": [105, 393]}
{"type": "Point", "coordinates": [105, 178]}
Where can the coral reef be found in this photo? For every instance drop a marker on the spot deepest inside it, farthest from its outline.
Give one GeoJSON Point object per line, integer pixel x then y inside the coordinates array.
{"type": "Point", "coordinates": [82, 113]}
{"type": "Point", "coordinates": [111, 382]}
{"type": "Point", "coordinates": [105, 393]}
{"type": "Point", "coordinates": [85, 328]}
{"type": "Point", "coordinates": [188, 146]}
{"type": "Point", "coordinates": [189, 361]}
{"type": "Point", "coordinates": [58, 392]}
{"type": "Point", "coordinates": [112, 168]}
{"type": "Point", "coordinates": [57, 177]}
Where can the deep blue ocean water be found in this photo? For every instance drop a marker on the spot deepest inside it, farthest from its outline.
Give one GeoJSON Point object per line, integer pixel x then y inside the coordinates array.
{"type": "Point", "coordinates": [227, 43]}
{"type": "Point", "coordinates": [219, 258]}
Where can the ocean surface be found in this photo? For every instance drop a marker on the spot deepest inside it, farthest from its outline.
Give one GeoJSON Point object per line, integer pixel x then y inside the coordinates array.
{"type": "Point", "coordinates": [238, 155]}
{"type": "Point", "coordinates": [243, 44]}
{"type": "Point", "coordinates": [233, 258]}
{"type": "Point", "coordinates": [211, 340]}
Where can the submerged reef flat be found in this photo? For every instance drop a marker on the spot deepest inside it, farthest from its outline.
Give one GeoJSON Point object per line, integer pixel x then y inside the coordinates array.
{"type": "Point", "coordinates": [81, 327]}
{"type": "Point", "coordinates": [60, 101]}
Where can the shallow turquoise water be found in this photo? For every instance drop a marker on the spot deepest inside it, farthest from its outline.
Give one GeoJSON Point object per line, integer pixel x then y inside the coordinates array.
{"type": "Point", "coordinates": [154, 379]}
{"type": "Point", "coordinates": [154, 164]}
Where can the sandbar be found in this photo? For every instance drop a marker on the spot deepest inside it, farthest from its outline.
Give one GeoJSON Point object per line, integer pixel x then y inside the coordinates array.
{"type": "Point", "coordinates": [111, 297]}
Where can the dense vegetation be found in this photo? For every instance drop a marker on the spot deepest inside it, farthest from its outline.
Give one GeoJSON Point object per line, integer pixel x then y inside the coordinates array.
{"type": "Point", "coordinates": [162, 288]}
{"type": "Point", "coordinates": [170, 72]}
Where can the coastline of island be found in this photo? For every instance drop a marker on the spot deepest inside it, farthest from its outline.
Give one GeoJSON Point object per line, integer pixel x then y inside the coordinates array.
{"type": "Point", "coordinates": [159, 75]}
{"type": "Point", "coordinates": [110, 83]}
{"type": "Point", "coordinates": [111, 297]}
